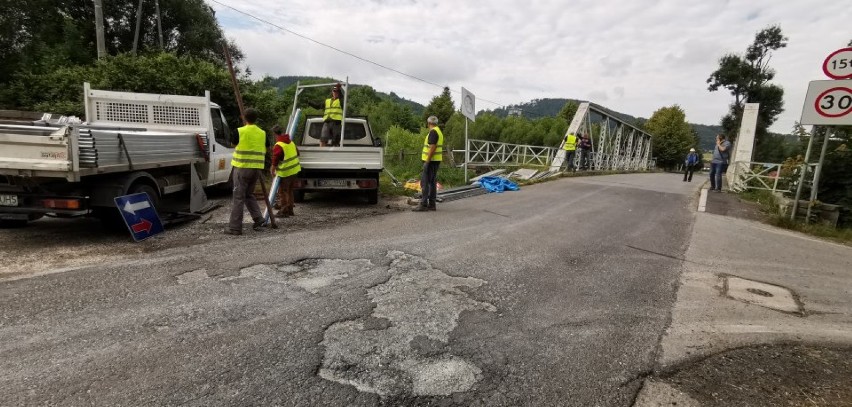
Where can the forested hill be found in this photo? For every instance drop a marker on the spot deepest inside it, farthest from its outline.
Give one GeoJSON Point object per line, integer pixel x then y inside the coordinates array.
{"type": "Point", "coordinates": [551, 107]}
{"type": "Point", "coordinates": [534, 109]}
{"type": "Point", "coordinates": [284, 82]}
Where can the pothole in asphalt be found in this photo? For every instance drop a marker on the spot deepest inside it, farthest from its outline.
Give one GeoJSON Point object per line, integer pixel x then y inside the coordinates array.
{"type": "Point", "coordinates": [192, 276]}
{"type": "Point", "coordinates": [762, 294]}
{"type": "Point", "coordinates": [311, 274]}
{"type": "Point", "coordinates": [407, 355]}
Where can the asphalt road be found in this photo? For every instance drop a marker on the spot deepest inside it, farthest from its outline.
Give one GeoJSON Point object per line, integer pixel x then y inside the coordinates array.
{"type": "Point", "coordinates": [555, 295]}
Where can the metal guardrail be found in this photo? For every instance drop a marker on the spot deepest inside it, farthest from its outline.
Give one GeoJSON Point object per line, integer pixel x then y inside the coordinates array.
{"type": "Point", "coordinates": [751, 175]}
{"type": "Point", "coordinates": [484, 152]}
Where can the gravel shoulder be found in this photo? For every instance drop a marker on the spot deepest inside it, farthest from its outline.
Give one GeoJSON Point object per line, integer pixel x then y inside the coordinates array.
{"type": "Point", "coordinates": [53, 245]}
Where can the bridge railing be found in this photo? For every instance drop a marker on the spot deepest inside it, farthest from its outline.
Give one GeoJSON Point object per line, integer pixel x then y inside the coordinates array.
{"type": "Point", "coordinates": [484, 152]}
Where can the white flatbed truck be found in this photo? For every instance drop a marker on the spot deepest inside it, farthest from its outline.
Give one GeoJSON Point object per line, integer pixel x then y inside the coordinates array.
{"type": "Point", "coordinates": [132, 142]}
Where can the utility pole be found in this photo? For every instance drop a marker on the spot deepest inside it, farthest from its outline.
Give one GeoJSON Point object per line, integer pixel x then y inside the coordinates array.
{"type": "Point", "coordinates": [99, 28]}
{"type": "Point", "coordinates": [138, 23]}
{"type": "Point", "coordinates": [159, 22]}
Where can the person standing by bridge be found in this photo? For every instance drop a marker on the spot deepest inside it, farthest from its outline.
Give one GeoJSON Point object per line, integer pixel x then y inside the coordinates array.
{"type": "Point", "coordinates": [689, 165]}
{"type": "Point", "coordinates": [585, 151]}
{"type": "Point", "coordinates": [433, 148]}
{"type": "Point", "coordinates": [719, 163]}
{"type": "Point", "coordinates": [570, 149]}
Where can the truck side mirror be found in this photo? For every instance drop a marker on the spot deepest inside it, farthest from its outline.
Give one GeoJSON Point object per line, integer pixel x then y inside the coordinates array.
{"type": "Point", "coordinates": [377, 142]}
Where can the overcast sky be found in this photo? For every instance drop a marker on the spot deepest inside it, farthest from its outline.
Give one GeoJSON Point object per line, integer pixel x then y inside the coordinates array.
{"type": "Point", "coordinates": [631, 56]}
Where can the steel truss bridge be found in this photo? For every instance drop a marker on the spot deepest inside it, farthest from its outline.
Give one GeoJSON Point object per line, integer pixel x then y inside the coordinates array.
{"type": "Point", "coordinates": [616, 145]}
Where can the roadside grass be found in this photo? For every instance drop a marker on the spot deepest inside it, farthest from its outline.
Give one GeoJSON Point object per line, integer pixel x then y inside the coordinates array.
{"type": "Point", "coordinates": [451, 177]}
{"type": "Point", "coordinates": [769, 205]}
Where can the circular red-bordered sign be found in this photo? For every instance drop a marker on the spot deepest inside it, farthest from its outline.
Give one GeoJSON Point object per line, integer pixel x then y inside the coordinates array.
{"type": "Point", "coordinates": [819, 108]}
{"type": "Point", "coordinates": [830, 71]}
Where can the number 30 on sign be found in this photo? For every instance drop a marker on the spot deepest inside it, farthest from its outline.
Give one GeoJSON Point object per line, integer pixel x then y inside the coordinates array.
{"type": "Point", "coordinates": [828, 103]}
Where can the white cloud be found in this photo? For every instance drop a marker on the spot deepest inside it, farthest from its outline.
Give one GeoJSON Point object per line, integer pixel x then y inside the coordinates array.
{"type": "Point", "coordinates": [645, 54]}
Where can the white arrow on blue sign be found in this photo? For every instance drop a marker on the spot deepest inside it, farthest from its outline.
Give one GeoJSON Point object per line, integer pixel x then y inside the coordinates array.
{"type": "Point", "coordinates": [139, 215]}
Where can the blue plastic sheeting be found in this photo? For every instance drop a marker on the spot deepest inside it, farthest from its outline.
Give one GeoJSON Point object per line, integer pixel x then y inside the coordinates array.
{"type": "Point", "coordinates": [497, 184]}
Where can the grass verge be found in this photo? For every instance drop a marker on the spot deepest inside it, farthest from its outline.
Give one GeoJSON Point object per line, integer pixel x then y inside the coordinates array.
{"type": "Point", "coordinates": [769, 205]}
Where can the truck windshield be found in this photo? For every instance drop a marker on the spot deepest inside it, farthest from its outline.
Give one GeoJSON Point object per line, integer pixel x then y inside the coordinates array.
{"type": "Point", "coordinates": [355, 134]}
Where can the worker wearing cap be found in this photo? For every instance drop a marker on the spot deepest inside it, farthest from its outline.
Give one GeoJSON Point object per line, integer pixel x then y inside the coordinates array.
{"type": "Point", "coordinates": [690, 163]}
{"type": "Point", "coordinates": [285, 165]}
{"type": "Point", "coordinates": [248, 162]}
{"type": "Point", "coordinates": [570, 149]}
{"type": "Point", "coordinates": [432, 155]}
{"type": "Point", "coordinates": [332, 118]}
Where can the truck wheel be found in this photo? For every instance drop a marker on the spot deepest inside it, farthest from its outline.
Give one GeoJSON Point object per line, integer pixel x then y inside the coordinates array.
{"type": "Point", "coordinates": [373, 196]}
{"type": "Point", "coordinates": [299, 196]}
{"type": "Point", "coordinates": [152, 193]}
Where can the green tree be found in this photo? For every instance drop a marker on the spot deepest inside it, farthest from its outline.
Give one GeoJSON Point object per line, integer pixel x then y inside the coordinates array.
{"type": "Point", "coordinates": [671, 135]}
{"type": "Point", "coordinates": [747, 78]}
{"type": "Point", "coordinates": [441, 107]}
{"type": "Point", "coordinates": [568, 111]}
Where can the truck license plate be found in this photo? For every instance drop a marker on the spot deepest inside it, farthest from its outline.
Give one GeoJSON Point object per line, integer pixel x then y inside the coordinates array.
{"type": "Point", "coordinates": [332, 183]}
{"type": "Point", "coordinates": [8, 200]}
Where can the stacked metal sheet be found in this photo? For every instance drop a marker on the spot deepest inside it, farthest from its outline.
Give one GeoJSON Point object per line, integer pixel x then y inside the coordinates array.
{"type": "Point", "coordinates": [102, 148]}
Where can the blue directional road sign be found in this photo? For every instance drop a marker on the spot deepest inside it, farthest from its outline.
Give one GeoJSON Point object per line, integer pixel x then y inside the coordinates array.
{"type": "Point", "coordinates": [139, 215]}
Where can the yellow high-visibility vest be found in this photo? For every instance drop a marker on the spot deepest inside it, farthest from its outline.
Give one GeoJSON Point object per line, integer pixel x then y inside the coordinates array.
{"type": "Point", "coordinates": [289, 165]}
{"type": "Point", "coordinates": [333, 110]}
{"type": "Point", "coordinates": [571, 143]}
{"type": "Point", "coordinates": [436, 156]}
{"type": "Point", "coordinates": [251, 149]}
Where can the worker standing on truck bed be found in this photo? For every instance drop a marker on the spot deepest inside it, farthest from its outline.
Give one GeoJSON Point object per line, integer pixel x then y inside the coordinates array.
{"type": "Point", "coordinates": [433, 147]}
{"type": "Point", "coordinates": [248, 163]}
{"type": "Point", "coordinates": [285, 165]}
{"type": "Point", "coordinates": [332, 118]}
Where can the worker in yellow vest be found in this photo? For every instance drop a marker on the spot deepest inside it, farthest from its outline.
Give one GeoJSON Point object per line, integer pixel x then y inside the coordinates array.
{"type": "Point", "coordinates": [285, 165]}
{"type": "Point", "coordinates": [248, 160]}
{"type": "Point", "coordinates": [432, 155]}
{"type": "Point", "coordinates": [332, 118]}
{"type": "Point", "coordinates": [570, 149]}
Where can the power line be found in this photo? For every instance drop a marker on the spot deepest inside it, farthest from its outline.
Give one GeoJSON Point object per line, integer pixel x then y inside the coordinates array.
{"type": "Point", "coordinates": [247, 14]}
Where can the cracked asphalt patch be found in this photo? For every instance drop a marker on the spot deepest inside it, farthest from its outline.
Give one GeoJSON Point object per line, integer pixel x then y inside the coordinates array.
{"type": "Point", "coordinates": [406, 355]}
{"type": "Point", "coordinates": [311, 274]}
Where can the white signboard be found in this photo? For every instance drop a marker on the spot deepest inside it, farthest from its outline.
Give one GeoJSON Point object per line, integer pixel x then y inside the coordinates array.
{"type": "Point", "coordinates": [838, 65]}
{"type": "Point", "coordinates": [828, 103]}
{"type": "Point", "coordinates": [468, 105]}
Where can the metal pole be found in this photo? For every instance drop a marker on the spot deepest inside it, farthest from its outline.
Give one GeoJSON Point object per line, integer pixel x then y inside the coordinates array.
{"type": "Point", "coordinates": [805, 168]}
{"type": "Point", "coordinates": [234, 81]}
{"type": "Point", "coordinates": [343, 122]}
{"type": "Point", "coordinates": [159, 22]}
{"type": "Point", "coordinates": [138, 24]}
{"type": "Point", "coordinates": [99, 28]}
{"type": "Point", "coordinates": [817, 173]}
{"type": "Point", "coordinates": [466, 150]}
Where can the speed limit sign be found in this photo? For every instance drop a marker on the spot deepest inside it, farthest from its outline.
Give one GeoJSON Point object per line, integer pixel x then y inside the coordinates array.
{"type": "Point", "coordinates": [838, 65]}
{"type": "Point", "coordinates": [828, 103]}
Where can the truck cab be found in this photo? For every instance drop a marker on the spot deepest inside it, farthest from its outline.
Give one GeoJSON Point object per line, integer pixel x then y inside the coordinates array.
{"type": "Point", "coordinates": [353, 166]}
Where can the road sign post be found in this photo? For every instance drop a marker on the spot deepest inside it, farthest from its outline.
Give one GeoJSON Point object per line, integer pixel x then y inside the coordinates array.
{"type": "Point", "coordinates": [139, 215]}
{"type": "Point", "coordinates": [468, 109]}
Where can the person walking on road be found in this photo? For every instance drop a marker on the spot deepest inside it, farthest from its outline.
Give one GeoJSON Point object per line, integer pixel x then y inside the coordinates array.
{"type": "Point", "coordinates": [570, 149]}
{"type": "Point", "coordinates": [689, 165]}
{"type": "Point", "coordinates": [719, 163]}
{"type": "Point", "coordinates": [432, 156]}
{"type": "Point", "coordinates": [285, 165]}
{"type": "Point", "coordinates": [332, 119]}
{"type": "Point", "coordinates": [248, 161]}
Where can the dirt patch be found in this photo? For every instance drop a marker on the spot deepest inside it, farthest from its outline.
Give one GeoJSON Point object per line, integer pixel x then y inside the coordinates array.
{"type": "Point", "coordinates": [788, 375]}
{"type": "Point", "coordinates": [53, 244]}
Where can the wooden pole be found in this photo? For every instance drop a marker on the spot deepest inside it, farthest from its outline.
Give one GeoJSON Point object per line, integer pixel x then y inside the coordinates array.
{"type": "Point", "coordinates": [138, 24]}
{"type": "Point", "coordinates": [99, 28]}
{"type": "Point", "coordinates": [243, 117]}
